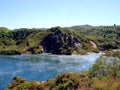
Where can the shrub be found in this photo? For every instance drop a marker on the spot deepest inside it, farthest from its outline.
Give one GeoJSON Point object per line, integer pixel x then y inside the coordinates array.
{"type": "Point", "coordinates": [105, 67]}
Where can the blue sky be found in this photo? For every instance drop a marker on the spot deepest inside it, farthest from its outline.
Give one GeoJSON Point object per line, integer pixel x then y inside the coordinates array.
{"type": "Point", "coordinates": [50, 13]}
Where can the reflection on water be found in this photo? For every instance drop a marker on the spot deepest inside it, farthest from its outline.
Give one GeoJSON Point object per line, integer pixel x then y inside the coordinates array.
{"type": "Point", "coordinates": [42, 67]}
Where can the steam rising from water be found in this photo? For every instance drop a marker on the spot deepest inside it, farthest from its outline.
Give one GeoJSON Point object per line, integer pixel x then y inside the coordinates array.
{"type": "Point", "coordinates": [42, 67]}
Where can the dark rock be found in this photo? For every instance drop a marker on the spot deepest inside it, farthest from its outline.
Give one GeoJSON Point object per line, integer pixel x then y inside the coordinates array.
{"type": "Point", "coordinates": [60, 42]}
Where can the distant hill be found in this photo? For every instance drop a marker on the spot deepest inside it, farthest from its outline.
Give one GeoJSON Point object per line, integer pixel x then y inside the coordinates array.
{"type": "Point", "coordinates": [77, 27]}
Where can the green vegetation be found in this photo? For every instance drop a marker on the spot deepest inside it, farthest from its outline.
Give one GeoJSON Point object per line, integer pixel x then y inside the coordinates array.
{"type": "Point", "coordinates": [106, 68]}
{"type": "Point", "coordinates": [24, 41]}
{"type": "Point", "coordinates": [113, 53]}
{"type": "Point", "coordinates": [57, 40]}
{"type": "Point", "coordinates": [103, 75]}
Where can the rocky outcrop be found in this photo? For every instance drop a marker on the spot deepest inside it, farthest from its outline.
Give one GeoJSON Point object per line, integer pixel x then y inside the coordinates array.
{"type": "Point", "coordinates": [93, 44]}
{"type": "Point", "coordinates": [60, 42]}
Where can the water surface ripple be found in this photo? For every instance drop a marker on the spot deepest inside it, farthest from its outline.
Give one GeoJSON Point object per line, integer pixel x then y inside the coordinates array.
{"type": "Point", "coordinates": [42, 67]}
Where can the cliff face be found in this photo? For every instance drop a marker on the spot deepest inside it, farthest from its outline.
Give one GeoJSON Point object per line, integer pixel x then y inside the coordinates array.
{"type": "Point", "coordinates": [59, 42]}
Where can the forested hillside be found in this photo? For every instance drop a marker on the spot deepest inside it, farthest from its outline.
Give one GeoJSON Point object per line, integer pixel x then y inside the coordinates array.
{"type": "Point", "coordinates": [57, 40]}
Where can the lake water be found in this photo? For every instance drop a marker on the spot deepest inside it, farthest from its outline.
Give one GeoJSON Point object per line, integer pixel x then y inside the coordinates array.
{"type": "Point", "coordinates": [42, 67]}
